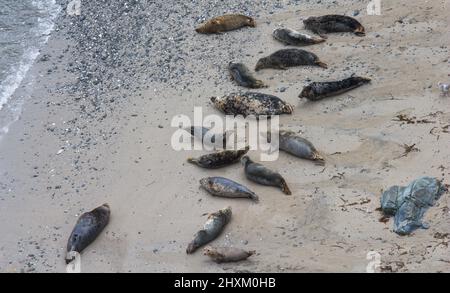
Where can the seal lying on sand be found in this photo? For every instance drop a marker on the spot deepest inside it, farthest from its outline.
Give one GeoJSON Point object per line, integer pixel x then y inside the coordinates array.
{"type": "Point", "coordinates": [220, 159]}
{"type": "Point", "coordinates": [282, 59]}
{"type": "Point", "coordinates": [294, 38]}
{"type": "Point", "coordinates": [223, 187]}
{"type": "Point", "coordinates": [291, 143]}
{"type": "Point", "coordinates": [242, 76]}
{"type": "Point", "coordinates": [86, 230]}
{"type": "Point", "coordinates": [213, 227]}
{"type": "Point", "coordinates": [262, 175]}
{"type": "Point", "coordinates": [225, 23]}
{"type": "Point", "coordinates": [251, 103]}
{"type": "Point", "coordinates": [319, 90]}
{"type": "Point", "coordinates": [334, 24]}
{"type": "Point", "coordinates": [227, 254]}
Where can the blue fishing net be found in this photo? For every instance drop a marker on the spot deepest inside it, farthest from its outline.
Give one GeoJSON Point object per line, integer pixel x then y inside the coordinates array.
{"type": "Point", "coordinates": [409, 204]}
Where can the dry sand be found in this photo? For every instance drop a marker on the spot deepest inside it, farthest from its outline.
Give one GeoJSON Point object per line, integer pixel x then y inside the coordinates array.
{"type": "Point", "coordinates": [330, 222]}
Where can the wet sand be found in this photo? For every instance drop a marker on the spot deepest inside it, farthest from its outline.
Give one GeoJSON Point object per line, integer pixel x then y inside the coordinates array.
{"type": "Point", "coordinates": [110, 115]}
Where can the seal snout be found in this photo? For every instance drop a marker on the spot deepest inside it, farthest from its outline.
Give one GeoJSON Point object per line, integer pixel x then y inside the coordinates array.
{"type": "Point", "coordinates": [306, 92]}
{"type": "Point", "coordinates": [69, 259]}
{"type": "Point", "coordinates": [191, 248]}
{"type": "Point", "coordinates": [204, 182]}
{"type": "Point", "coordinates": [207, 250]}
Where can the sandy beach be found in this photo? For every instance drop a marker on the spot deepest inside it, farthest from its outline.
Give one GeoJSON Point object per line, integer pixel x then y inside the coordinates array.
{"type": "Point", "coordinates": [96, 127]}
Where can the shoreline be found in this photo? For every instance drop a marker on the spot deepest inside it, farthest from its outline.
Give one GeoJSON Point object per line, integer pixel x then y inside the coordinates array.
{"type": "Point", "coordinates": [109, 110]}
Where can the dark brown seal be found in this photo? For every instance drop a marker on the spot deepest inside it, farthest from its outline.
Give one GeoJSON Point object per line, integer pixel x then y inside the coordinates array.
{"type": "Point", "coordinates": [213, 227]}
{"type": "Point", "coordinates": [225, 23]}
{"type": "Point", "coordinates": [251, 103]}
{"type": "Point", "coordinates": [262, 175]}
{"type": "Point", "coordinates": [319, 90]}
{"type": "Point", "coordinates": [86, 230]}
{"type": "Point", "coordinates": [333, 24]}
{"type": "Point", "coordinates": [227, 254]}
{"type": "Point", "coordinates": [242, 76]}
{"type": "Point", "coordinates": [282, 59]}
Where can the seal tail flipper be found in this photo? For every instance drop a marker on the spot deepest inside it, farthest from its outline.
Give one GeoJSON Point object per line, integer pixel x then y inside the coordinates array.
{"type": "Point", "coordinates": [321, 33]}
{"type": "Point", "coordinates": [319, 40]}
{"type": "Point", "coordinates": [321, 64]}
{"type": "Point", "coordinates": [251, 252]}
{"type": "Point", "coordinates": [192, 160]}
{"type": "Point", "coordinates": [259, 84]}
{"type": "Point", "coordinates": [360, 31]}
{"type": "Point", "coordinates": [285, 188]}
{"type": "Point", "coordinates": [288, 109]}
{"type": "Point", "coordinates": [364, 79]}
{"type": "Point", "coordinates": [254, 197]}
{"type": "Point", "coordinates": [319, 159]}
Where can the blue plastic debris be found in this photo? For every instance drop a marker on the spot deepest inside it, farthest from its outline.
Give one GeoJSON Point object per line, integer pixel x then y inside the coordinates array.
{"type": "Point", "coordinates": [409, 204]}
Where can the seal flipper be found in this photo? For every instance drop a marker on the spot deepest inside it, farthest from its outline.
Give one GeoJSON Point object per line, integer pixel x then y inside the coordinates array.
{"type": "Point", "coordinates": [360, 31]}
{"type": "Point", "coordinates": [260, 84]}
{"type": "Point", "coordinates": [321, 64]}
{"type": "Point", "coordinates": [318, 159]}
{"type": "Point", "coordinates": [254, 197]}
{"type": "Point", "coordinates": [193, 161]}
{"type": "Point", "coordinates": [285, 188]}
{"type": "Point", "coordinates": [320, 33]}
{"type": "Point", "coordinates": [279, 66]}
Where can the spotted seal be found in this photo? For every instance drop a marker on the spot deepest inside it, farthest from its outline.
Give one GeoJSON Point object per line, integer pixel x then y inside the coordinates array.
{"type": "Point", "coordinates": [251, 103]}
{"type": "Point", "coordinates": [292, 37]}
{"type": "Point", "coordinates": [334, 24]}
{"type": "Point", "coordinates": [298, 146]}
{"type": "Point", "coordinates": [227, 254]}
{"type": "Point", "coordinates": [219, 159]}
{"type": "Point", "coordinates": [282, 59]}
{"type": "Point", "coordinates": [213, 227]}
{"type": "Point", "coordinates": [320, 90]}
{"type": "Point", "coordinates": [223, 187]}
{"type": "Point", "coordinates": [86, 230]}
{"type": "Point", "coordinates": [262, 175]}
{"type": "Point", "coordinates": [242, 76]}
